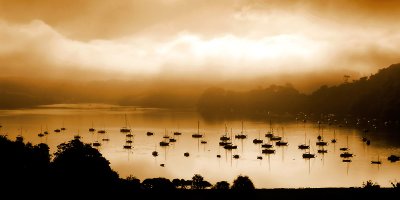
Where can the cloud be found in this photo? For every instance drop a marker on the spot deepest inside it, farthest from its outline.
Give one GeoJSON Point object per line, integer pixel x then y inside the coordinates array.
{"type": "Point", "coordinates": [196, 39]}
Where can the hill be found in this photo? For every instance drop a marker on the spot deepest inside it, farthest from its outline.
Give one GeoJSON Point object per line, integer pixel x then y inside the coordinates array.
{"type": "Point", "coordinates": [376, 96]}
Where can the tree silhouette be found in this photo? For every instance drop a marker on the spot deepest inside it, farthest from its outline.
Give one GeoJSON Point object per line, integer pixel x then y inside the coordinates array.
{"type": "Point", "coordinates": [198, 182]}
{"type": "Point", "coordinates": [157, 184]}
{"type": "Point", "coordinates": [396, 185]}
{"type": "Point", "coordinates": [23, 164]}
{"type": "Point", "coordinates": [371, 185]}
{"type": "Point", "coordinates": [242, 183]}
{"type": "Point", "coordinates": [221, 185]}
{"type": "Point", "coordinates": [81, 165]}
{"type": "Point", "coordinates": [178, 183]}
{"type": "Point", "coordinates": [197, 179]}
{"type": "Point", "coordinates": [130, 183]}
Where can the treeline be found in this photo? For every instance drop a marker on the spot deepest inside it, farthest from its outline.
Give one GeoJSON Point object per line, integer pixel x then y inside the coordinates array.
{"type": "Point", "coordinates": [376, 96]}
{"type": "Point", "coordinates": [79, 167]}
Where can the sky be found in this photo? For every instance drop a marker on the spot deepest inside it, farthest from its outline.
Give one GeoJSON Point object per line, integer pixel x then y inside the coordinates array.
{"type": "Point", "coordinates": [196, 39]}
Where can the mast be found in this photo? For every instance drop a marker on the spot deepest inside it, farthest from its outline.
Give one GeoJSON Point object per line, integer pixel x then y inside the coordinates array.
{"type": "Point", "coordinates": [226, 130]}
{"type": "Point", "coordinates": [126, 122]}
{"type": "Point", "coordinates": [242, 127]}
{"type": "Point", "coordinates": [270, 125]}
{"type": "Point", "coordinates": [305, 133]}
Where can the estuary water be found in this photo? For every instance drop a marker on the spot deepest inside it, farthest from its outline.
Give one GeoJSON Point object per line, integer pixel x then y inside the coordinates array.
{"type": "Point", "coordinates": [284, 169]}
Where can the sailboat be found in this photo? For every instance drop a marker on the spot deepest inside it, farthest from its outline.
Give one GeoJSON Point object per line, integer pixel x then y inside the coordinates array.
{"type": "Point", "coordinates": [304, 146]}
{"type": "Point", "coordinates": [164, 143]}
{"type": "Point", "coordinates": [322, 150]}
{"type": "Point", "coordinates": [128, 142]}
{"type": "Point", "coordinates": [364, 138]}
{"type": "Point", "coordinates": [177, 132]}
{"type": "Point", "coordinates": [92, 129]}
{"type": "Point", "coordinates": [268, 151]}
{"type": "Point", "coordinates": [77, 136]}
{"type": "Point", "coordinates": [166, 136]}
{"type": "Point", "coordinates": [229, 145]}
{"type": "Point", "coordinates": [267, 145]}
{"type": "Point", "coordinates": [127, 146]}
{"type": "Point", "coordinates": [241, 135]}
{"type": "Point", "coordinates": [172, 139]}
{"type": "Point", "coordinates": [334, 137]}
{"type": "Point", "coordinates": [377, 162]}
{"type": "Point", "coordinates": [125, 129]}
{"type": "Point", "coordinates": [270, 133]}
{"type": "Point", "coordinates": [155, 153]}
{"type": "Point", "coordinates": [225, 136]}
{"type": "Point", "coordinates": [393, 158]}
{"type": "Point", "coordinates": [197, 135]}
{"type": "Point", "coordinates": [258, 141]}
{"type": "Point", "coordinates": [149, 133]}
{"type": "Point", "coordinates": [308, 155]}
{"type": "Point", "coordinates": [41, 132]}
{"type": "Point", "coordinates": [96, 144]}
{"type": "Point", "coordinates": [321, 141]}
{"type": "Point", "coordinates": [102, 131]}
{"type": "Point", "coordinates": [46, 132]}
{"type": "Point", "coordinates": [346, 154]}
{"type": "Point", "coordinates": [106, 139]}
{"type": "Point", "coordinates": [63, 128]}
{"type": "Point", "coordinates": [281, 142]}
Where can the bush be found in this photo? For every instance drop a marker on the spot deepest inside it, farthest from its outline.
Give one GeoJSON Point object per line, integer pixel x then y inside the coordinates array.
{"type": "Point", "coordinates": [243, 183]}
{"type": "Point", "coordinates": [222, 185]}
{"type": "Point", "coordinates": [370, 185]}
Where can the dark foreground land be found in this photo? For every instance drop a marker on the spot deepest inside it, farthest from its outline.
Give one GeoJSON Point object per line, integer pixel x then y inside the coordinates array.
{"type": "Point", "coordinates": [321, 193]}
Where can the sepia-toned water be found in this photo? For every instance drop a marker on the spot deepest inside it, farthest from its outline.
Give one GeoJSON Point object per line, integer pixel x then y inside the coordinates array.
{"type": "Point", "coordinates": [284, 169]}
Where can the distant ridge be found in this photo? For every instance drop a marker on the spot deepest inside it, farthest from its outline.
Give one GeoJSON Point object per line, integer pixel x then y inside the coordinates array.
{"type": "Point", "coordinates": [375, 96]}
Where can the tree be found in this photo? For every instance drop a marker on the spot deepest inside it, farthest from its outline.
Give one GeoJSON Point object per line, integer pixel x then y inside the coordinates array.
{"type": "Point", "coordinates": [79, 164]}
{"type": "Point", "coordinates": [23, 164]}
{"type": "Point", "coordinates": [177, 183]}
{"type": "Point", "coordinates": [130, 183]}
{"type": "Point", "coordinates": [157, 184]}
{"type": "Point", "coordinates": [243, 183]}
{"type": "Point", "coordinates": [186, 183]}
{"type": "Point", "coordinates": [371, 185]}
{"type": "Point", "coordinates": [396, 185]}
{"type": "Point", "coordinates": [197, 180]}
{"type": "Point", "coordinates": [222, 185]}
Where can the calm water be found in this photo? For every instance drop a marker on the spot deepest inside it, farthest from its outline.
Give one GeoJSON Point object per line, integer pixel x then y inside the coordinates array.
{"type": "Point", "coordinates": [285, 168]}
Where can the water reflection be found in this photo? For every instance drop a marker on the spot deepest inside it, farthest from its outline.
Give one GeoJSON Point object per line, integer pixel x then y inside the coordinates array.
{"type": "Point", "coordinates": [285, 167]}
